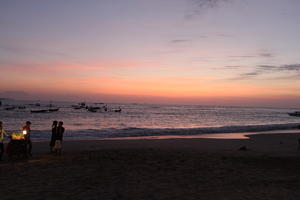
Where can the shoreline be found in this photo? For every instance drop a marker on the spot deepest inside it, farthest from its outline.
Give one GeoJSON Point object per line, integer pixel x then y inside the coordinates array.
{"type": "Point", "coordinates": [271, 141]}
{"type": "Point", "coordinates": [225, 136]}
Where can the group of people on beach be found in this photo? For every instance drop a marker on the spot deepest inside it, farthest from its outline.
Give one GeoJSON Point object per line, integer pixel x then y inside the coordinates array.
{"type": "Point", "coordinates": [55, 142]}
{"type": "Point", "coordinates": [56, 137]}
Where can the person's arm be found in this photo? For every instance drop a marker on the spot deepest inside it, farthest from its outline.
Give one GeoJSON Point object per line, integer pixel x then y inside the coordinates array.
{"type": "Point", "coordinates": [62, 133]}
{"type": "Point", "coordinates": [4, 133]}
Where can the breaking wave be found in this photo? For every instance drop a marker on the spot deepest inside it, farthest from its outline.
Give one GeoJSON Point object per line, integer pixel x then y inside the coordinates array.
{"type": "Point", "coordinates": [140, 132]}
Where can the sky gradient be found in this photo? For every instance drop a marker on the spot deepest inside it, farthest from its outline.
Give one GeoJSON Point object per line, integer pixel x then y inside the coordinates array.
{"type": "Point", "coordinates": [209, 52]}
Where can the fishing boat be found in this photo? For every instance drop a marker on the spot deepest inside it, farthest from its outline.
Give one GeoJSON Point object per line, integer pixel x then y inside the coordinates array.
{"type": "Point", "coordinates": [92, 109]}
{"type": "Point", "coordinates": [34, 104]}
{"type": "Point", "coordinates": [83, 104]}
{"type": "Point", "coordinates": [76, 107]}
{"type": "Point", "coordinates": [10, 108]}
{"type": "Point", "coordinates": [53, 109]}
{"type": "Point", "coordinates": [39, 111]}
{"type": "Point", "coordinates": [118, 110]}
{"type": "Point", "coordinates": [21, 107]}
{"type": "Point", "coordinates": [295, 114]}
{"type": "Point", "coordinates": [79, 106]}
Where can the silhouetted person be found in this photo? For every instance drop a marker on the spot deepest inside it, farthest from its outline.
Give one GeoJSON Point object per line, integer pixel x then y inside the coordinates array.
{"type": "Point", "coordinates": [2, 134]}
{"type": "Point", "coordinates": [53, 135]}
{"type": "Point", "coordinates": [59, 138]}
{"type": "Point", "coordinates": [27, 133]}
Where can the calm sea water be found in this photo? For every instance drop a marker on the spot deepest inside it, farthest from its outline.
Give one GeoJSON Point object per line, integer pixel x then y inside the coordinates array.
{"type": "Point", "coordinates": [144, 120]}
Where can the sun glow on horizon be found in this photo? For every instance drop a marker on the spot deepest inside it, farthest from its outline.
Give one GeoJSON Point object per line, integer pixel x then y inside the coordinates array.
{"type": "Point", "coordinates": [163, 51]}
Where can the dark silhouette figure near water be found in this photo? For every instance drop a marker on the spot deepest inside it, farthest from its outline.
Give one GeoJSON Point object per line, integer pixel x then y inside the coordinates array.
{"type": "Point", "coordinates": [53, 135]}
{"type": "Point", "coordinates": [58, 138]}
{"type": "Point", "coordinates": [27, 132]}
{"type": "Point", "coordinates": [2, 134]}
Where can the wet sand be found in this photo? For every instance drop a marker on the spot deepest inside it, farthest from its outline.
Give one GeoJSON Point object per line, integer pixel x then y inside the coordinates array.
{"type": "Point", "coordinates": [159, 169]}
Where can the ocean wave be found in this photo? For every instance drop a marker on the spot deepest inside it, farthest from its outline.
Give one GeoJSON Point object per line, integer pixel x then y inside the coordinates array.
{"type": "Point", "coordinates": [140, 132]}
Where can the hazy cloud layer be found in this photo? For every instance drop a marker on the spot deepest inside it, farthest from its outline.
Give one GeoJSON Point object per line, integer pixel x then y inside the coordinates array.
{"type": "Point", "coordinates": [268, 68]}
{"type": "Point", "coordinates": [293, 70]}
{"type": "Point", "coordinates": [258, 55]}
{"type": "Point", "coordinates": [267, 55]}
{"type": "Point", "coordinates": [199, 6]}
{"type": "Point", "coordinates": [179, 41]}
{"type": "Point", "coordinates": [31, 51]}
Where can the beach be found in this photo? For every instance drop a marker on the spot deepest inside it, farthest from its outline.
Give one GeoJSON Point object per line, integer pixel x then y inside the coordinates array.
{"type": "Point", "coordinates": [181, 168]}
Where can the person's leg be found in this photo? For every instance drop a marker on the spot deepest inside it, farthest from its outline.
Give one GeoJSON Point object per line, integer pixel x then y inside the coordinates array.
{"type": "Point", "coordinates": [29, 148]}
{"type": "Point", "coordinates": [56, 147]}
{"type": "Point", "coordinates": [1, 150]}
{"type": "Point", "coordinates": [52, 144]}
{"type": "Point", "coordinates": [60, 149]}
{"type": "Point", "coordinates": [23, 149]}
{"type": "Point", "coordinates": [51, 148]}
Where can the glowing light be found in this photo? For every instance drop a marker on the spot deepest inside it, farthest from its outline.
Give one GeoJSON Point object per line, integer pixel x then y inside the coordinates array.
{"type": "Point", "coordinates": [24, 132]}
{"type": "Point", "coordinates": [18, 136]}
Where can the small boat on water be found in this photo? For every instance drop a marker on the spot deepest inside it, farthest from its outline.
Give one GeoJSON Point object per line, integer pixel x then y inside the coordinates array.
{"type": "Point", "coordinates": [34, 104]}
{"type": "Point", "coordinates": [295, 114]}
{"type": "Point", "coordinates": [83, 104]}
{"type": "Point", "coordinates": [118, 110]}
{"type": "Point", "coordinates": [10, 108]}
{"type": "Point", "coordinates": [53, 109]}
{"type": "Point", "coordinates": [79, 106]}
{"type": "Point", "coordinates": [76, 107]}
{"type": "Point", "coordinates": [92, 109]}
{"type": "Point", "coordinates": [21, 107]}
{"type": "Point", "coordinates": [95, 107]}
{"type": "Point", "coordinates": [39, 111]}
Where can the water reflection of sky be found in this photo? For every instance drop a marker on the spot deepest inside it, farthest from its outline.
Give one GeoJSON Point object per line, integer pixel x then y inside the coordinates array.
{"type": "Point", "coordinates": [237, 136]}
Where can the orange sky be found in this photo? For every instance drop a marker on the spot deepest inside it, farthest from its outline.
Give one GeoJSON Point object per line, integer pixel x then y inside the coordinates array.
{"type": "Point", "coordinates": [221, 53]}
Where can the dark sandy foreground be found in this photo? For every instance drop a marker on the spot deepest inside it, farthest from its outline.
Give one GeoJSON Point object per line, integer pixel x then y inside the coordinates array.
{"type": "Point", "coordinates": [159, 169]}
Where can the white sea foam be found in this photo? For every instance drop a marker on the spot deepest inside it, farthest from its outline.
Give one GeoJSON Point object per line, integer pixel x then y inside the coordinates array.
{"type": "Point", "coordinates": [141, 132]}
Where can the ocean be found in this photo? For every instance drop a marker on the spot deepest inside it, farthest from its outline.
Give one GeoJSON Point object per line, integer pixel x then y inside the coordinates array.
{"type": "Point", "coordinates": [139, 120]}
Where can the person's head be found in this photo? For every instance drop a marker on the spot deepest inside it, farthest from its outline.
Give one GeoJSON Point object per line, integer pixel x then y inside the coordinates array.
{"type": "Point", "coordinates": [60, 123]}
{"type": "Point", "coordinates": [54, 123]}
{"type": "Point", "coordinates": [28, 123]}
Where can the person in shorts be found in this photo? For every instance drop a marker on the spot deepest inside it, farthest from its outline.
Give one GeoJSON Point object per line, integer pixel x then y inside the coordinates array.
{"type": "Point", "coordinates": [59, 138]}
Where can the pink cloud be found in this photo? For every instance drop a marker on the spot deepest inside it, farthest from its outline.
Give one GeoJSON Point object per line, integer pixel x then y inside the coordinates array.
{"type": "Point", "coordinates": [65, 65]}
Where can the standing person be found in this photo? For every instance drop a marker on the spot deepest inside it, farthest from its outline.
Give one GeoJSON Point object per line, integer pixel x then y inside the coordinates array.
{"type": "Point", "coordinates": [59, 138]}
{"type": "Point", "coordinates": [27, 138]}
{"type": "Point", "coordinates": [53, 136]}
{"type": "Point", "coordinates": [2, 134]}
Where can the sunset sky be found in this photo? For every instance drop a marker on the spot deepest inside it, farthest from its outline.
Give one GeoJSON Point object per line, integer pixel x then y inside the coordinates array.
{"type": "Point", "coordinates": [210, 52]}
